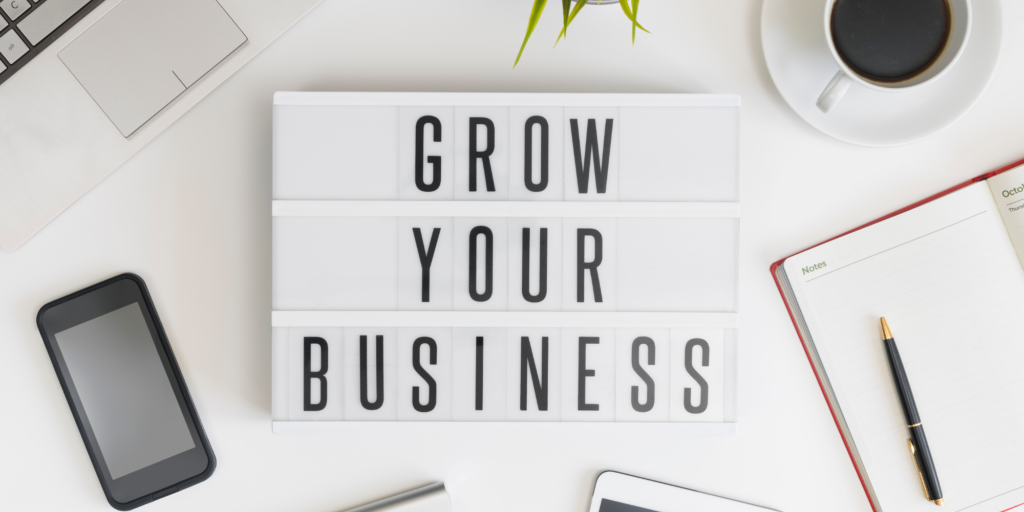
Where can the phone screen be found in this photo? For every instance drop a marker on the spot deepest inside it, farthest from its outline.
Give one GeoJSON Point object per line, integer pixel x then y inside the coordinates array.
{"type": "Point", "coordinates": [124, 390]}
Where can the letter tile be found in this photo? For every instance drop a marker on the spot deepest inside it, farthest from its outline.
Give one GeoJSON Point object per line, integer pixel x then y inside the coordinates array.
{"type": "Point", "coordinates": [315, 391]}
{"type": "Point", "coordinates": [481, 153]}
{"type": "Point", "coordinates": [536, 146]}
{"type": "Point", "coordinates": [588, 374]}
{"type": "Point", "coordinates": [281, 373]}
{"type": "Point", "coordinates": [697, 375]}
{"type": "Point", "coordinates": [478, 374]}
{"type": "Point", "coordinates": [426, 260]}
{"type": "Point", "coordinates": [336, 152]}
{"type": "Point", "coordinates": [424, 374]}
{"type": "Point", "coordinates": [589, 264]}
{"type": "Point", "coordinates": [677, 264]}
{"type": "Point", "coordinates": [335, 263]}
{"type": "Point", "coordinates": [533, 375]}
{"type": "Point", "coordinates": [679, 154]}
{"type": "Point", "coordinates": [534, 251]}
{"type": "Point", "coordinates": [591, 150]}
{"type": "Point", "coordinates": [642, 374]}
{"type": "Point", "coordinates": [481, 264]}
{"type": "Point", "coordinates": [364, 398]}
{"type": "Point", "coordinates": [426, 156]}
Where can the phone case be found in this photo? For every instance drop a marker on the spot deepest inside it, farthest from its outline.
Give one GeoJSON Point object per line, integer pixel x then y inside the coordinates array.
{"type": "Point", "coordinates": [138, 502]}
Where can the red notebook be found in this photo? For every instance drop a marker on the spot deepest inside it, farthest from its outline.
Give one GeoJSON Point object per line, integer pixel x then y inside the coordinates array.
{"type": "Point", "coordinates": [947, 273]}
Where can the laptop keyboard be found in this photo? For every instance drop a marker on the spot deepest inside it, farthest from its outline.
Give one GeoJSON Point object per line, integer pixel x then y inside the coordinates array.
{"type": "Point", "coordinates": [27, 27]}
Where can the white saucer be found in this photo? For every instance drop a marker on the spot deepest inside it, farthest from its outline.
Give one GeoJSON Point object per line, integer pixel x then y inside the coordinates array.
{"type": "Point", "coordinates": [793, 39]}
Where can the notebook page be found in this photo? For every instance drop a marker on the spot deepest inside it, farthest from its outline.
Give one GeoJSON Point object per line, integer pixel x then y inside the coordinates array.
{"type": "Point", "coordinates": [947, 280]}
{"type": "Point", "coordinates": [1008, 191]}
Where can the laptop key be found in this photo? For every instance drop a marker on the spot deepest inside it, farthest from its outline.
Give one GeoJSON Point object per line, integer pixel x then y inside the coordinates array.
{"type": "Point", "coordinates": [12, 47]}
{"type": "Point", "coordinates": [15, 8]}
{"type": "Point", "coordinates": [47, 17]}
{"type": "Point", "coordinates": [38, 24]}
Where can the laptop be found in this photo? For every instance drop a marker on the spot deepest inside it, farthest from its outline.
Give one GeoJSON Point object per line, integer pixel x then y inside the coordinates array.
{"type": "Point", "coordinates": [84, 84]}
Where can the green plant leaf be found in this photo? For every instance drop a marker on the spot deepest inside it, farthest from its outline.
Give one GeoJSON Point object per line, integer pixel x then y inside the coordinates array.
{"type": "Point", "coordinates": [565, 14]}
{"type": "Point", "coordinates": [572, 16]}
{"type": "Point", "coordinates": [538, 9]}
{"type": "Point", "coordinates": [636, 9]}
{"type": "Point", "coordinates": [625, 9]}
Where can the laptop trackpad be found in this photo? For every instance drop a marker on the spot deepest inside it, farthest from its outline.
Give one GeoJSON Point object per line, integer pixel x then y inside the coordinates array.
{"type": "Point", "coordinates": [144, 53]}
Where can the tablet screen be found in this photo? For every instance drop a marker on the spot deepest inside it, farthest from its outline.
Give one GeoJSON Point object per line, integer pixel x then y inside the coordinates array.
{"type": "Point", "coordinates": [614, 506]}
{"type": "Point", "coordinates": [616, 492]}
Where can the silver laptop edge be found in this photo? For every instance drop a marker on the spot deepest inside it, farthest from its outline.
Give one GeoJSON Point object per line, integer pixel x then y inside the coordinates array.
{"type": "Point", "coordinates": [56, 141]}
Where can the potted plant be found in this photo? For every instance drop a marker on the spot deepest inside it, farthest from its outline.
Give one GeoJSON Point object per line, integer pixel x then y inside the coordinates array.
{"type": "Point", "coordinates": [568, 15]}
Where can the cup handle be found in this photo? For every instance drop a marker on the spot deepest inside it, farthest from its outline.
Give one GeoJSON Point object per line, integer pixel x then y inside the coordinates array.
{"type": "Point", "coordinates": [834, 91]}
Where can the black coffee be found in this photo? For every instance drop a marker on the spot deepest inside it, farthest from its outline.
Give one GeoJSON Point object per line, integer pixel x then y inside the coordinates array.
{"type": "Point", "coordinates": [890, 40]}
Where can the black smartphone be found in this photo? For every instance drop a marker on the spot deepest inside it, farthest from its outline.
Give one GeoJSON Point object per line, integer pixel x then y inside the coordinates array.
{"type": "Point", "coordinates": [126, 392]}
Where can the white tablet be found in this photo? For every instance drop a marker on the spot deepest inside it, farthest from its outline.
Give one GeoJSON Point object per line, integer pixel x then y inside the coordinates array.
{"type": "Point", "coordinates": [616, 492]}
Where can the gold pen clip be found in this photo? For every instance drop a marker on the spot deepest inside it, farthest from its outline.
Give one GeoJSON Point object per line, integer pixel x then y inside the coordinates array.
{"type": "Point", "coordinates": [913, 454]}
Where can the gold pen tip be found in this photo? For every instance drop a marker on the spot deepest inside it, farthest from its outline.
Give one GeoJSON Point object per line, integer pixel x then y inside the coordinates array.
{"type": "Point", "coordinates": [939, 502]}
{"type": "Point", "coordinates": [886, 333]}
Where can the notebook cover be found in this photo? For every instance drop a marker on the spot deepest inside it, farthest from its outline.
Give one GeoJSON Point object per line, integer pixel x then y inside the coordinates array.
{"type": "Point", "coordinates": [803, 342]}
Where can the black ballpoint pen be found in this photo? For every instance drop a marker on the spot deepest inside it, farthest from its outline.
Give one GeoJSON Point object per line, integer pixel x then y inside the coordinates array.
{"type": "Point", "coordinates": [918, 443]}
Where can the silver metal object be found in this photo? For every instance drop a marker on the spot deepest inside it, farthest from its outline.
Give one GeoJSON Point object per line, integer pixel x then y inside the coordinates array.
{"type": "Point", "coordinates": [432, 498]}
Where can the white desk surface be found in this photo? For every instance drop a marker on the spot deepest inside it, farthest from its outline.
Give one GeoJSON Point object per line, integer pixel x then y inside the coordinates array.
{"type": "Point", "coordinates": [191, 214]}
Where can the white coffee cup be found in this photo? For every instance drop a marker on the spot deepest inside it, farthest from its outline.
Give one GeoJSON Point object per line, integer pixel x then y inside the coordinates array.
{"type": "Point", "coordinates": [959, 31]}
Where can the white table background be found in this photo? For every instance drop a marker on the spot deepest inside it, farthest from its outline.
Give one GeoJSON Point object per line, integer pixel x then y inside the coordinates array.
{"type": "Point", "coordinates": [191, 215]}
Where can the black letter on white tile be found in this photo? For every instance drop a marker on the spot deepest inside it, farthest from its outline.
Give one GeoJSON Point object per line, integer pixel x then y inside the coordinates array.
{"type": "Point", "coordinates": [540, 385]}
{"type": "Point", "coordinates": [488, 263]}
{"type": "Point", "coordinates": [542, 281]}
{"type": "Point", "coordinates": [581, 388]}
{"type": "Point", "coordinates": [644, 376]}
{"type": "Point", "coordinates": [363, 368]}
{"type": "Point", "coordinates": [426, 256]}
{"type": "Point", "coordinates": [528, 160]}
{"type": "Point", "coordinates": [581, 266]}
{"type": "Point", "coordinates": [703, 404]}
{"type": "Point", "coordinates": [431, 384]}
{"type": "Point", "coordinates": [479, 373]}
{"type": "Point", "coordinates": [484, 154]}
{"type": "Point", "coordinates": [600, 156]}
{"type": "Point", "coordinates": [435, 161]}
{"type": "Point", "coordinates": [308, 374]}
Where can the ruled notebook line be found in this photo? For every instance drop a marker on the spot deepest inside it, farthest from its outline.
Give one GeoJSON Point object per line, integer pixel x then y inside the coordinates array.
{"type": "Point", "coordinates": [891, 248]}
